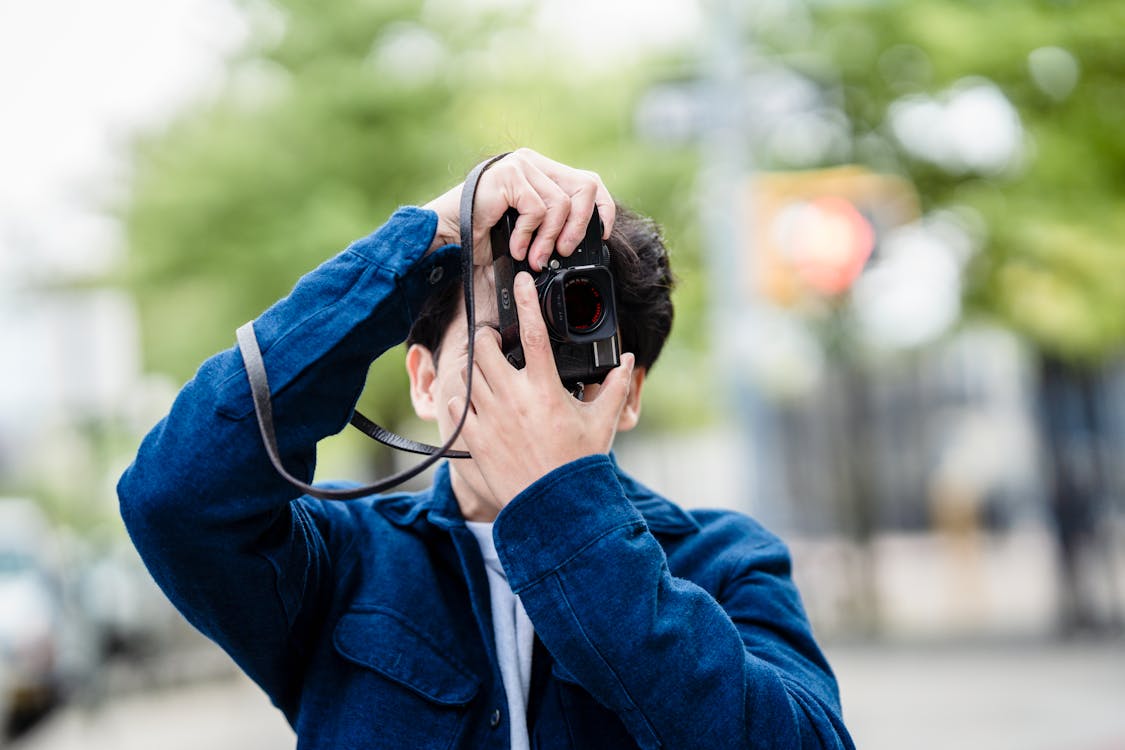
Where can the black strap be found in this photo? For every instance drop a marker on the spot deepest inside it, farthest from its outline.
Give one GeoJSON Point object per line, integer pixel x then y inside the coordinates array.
{"type": "Point", "coordinates": [260, 390]}
{"type": "Point", "coordinates": [381, 434]}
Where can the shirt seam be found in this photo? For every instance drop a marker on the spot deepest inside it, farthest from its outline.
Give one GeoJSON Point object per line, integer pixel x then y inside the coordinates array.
{"type": "Point", "coordinates": [572, 555]}
{"type": "Point", "coordinates": [605, 662]}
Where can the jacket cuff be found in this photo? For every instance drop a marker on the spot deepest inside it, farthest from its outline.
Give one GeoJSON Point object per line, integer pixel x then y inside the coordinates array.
{"type": "Point", "coordinates": [400, 247]}
{"type": "Point", "coordinates": [558, 516]}
{"type": "Point", "coordinates": [401, 241]}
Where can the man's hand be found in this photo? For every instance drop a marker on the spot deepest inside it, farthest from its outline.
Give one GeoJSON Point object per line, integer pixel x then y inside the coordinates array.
{"type": "Point", "coordinates": [524, 423]}
{"type": "Point", "coordinates": [552, 198]}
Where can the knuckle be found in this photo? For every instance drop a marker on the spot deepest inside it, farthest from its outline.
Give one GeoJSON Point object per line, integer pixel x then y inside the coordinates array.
{"type": "Point", "coordinates": [534, 338]}
{"type": "Point", "coordinates": [491, 342]}
{"type": "Point", "coordinates": [526, 294]}
{"type": "Point", "coordinates": [586, 190]}
{"type": "Point", "coordinates": [557, 192]}
{"type": "Point", "coordinates": [553, 223]}
{"type": "Point", "coordinates": [525, 160]}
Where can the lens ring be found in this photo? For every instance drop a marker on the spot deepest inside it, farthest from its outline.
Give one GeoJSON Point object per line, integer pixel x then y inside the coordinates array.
{"type": "Point", "coordinates": [585, 304]}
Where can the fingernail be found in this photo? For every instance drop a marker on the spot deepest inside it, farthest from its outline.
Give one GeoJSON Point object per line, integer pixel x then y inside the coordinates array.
{"type": "Point", "coordinates": [523, 278]}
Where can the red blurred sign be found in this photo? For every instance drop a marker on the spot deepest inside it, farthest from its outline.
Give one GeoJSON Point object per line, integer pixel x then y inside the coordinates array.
{"type": "Point", "coordinates": [813, 232]}
{"type": "Point", "coordinates": [827, 241]}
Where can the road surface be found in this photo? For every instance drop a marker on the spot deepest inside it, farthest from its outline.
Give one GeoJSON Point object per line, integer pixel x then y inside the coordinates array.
{"type": "Point", "coordinates": [999, 697]}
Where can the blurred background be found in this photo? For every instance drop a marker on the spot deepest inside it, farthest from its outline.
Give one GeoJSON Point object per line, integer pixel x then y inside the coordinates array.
{"type": "Point", "coordinates": [900, 334]}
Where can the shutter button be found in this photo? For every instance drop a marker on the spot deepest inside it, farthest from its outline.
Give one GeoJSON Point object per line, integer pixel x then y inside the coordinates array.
{"type": "Point", "coordinates": [436, 273]}
{"type": "Point", "coordinates": [494, 720]}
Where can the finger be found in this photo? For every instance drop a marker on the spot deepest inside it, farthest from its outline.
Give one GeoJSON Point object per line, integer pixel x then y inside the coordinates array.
{"type": "Point", "coordinates": [502, 187]}
{"type": "Point", "coordinates": [532, 210]}
{"type": "Point", "coordinates": [456, 407]}
{"type": "Point", "coordinates": [487, 350]}
{"type": "Point", "coordinates": [490, 359]}
{"type": "Point", "coordinates": [533, 331]}
{"type": "Point", "coordinates": [614, 393]}
{"type": "Point", "coordinates": [483, 397]}
{"type": "Point", "coordinates": [480, 383]}
{"type": "Point", "coordinates": [461, 400]}
{"type": "Point", "coordinates": [573, 180]}
{"type": "Point", "coordinates": [558, 205]}
{"type": "Point", "coordinates": [607, 209]}
{"type": "Point", "coordinates": [581, 211]}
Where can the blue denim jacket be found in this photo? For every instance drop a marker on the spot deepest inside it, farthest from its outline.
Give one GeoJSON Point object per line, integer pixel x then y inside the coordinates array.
{"type": "Point", "coordinates": [368, 622]}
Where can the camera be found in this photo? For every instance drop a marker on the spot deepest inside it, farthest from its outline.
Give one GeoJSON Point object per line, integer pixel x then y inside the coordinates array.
{"type": "Point", "coordinates": [577, 300]}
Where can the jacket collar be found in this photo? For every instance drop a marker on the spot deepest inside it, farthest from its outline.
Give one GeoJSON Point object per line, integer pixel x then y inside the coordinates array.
{"type": "Point", "coordinates": [437, 505]}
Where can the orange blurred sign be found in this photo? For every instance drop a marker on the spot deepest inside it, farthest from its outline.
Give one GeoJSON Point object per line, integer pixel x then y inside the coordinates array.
{"type": "Point", "coordinates": [814, 231]}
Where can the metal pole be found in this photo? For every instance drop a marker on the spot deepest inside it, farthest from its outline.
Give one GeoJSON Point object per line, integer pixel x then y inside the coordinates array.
{"type": "Point", "coordinates": [727, 216]}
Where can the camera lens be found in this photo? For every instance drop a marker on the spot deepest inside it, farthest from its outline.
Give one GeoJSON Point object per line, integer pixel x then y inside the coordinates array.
{"type": "Point", "coordinates": [585, 306]}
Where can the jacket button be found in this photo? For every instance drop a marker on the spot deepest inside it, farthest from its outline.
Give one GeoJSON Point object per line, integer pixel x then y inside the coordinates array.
{"type": "Point", "coordinates": [494, 720]}
{"type": "Point", "coordinates": [436, 274]}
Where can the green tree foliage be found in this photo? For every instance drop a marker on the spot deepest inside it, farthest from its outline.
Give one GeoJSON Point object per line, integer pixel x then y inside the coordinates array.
{"type": "Point", "coordinates": [334, 116]}
{"type": "Point", "coordinates": [1053, 263]}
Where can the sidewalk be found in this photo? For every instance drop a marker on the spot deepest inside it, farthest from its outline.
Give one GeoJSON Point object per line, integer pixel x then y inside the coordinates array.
{"type": "Point", "coordinates": [225, 714]}
{"type": "Point", "coordinates": [1004, 697]}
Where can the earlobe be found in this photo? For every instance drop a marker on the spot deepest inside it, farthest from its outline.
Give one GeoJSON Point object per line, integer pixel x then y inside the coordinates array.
{"type": "Point", "coordinates": [421, 368]}
{"type": "Point", "coordinates": [631, 413]}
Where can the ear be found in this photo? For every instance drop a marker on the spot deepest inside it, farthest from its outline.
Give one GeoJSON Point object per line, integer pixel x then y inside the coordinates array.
{"type": "Point", "coordinates": [422, 369]}
{"type": "Point", "coordinates": [631, 413]}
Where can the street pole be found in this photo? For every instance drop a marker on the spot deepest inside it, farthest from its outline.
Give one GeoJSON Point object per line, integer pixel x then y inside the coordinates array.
{"type": "Point", "coordinates": [727, 218]}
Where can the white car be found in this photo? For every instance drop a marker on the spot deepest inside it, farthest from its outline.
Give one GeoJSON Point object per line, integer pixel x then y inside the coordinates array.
{"type": "Point", "coordinates": [5, 709]}
{"type": "Point", "coordinates": [30, 613]}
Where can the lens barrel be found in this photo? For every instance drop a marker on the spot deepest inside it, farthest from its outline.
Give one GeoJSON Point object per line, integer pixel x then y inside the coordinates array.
{"type": "Point", "coordinates": [576, 302]}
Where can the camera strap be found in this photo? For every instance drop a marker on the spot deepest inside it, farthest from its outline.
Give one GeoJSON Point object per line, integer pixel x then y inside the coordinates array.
{"type": "Point", "coordinates": [263, 407]}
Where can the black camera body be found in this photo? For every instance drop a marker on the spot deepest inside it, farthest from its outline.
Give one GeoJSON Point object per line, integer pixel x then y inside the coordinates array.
{"type": "Point", "coordinates": [576, 297]}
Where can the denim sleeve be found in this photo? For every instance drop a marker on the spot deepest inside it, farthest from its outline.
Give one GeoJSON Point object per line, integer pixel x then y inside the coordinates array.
{"type": "Point", "coordinates": [681, 668]}
{"type": "Point", "coordinates": [224, 536]}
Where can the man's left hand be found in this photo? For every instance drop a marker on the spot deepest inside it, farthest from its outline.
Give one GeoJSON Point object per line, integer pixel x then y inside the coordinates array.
{"type": "Point", "coordinates": [524, 423]}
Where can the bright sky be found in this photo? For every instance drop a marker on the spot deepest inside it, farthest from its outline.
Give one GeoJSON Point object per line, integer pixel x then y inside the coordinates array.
{"type": "Point", "coordinates": [77, 77]}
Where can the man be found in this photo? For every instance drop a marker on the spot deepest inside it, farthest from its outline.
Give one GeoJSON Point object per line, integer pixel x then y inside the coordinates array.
{"type": "Point", "coordinates": [534, 595]}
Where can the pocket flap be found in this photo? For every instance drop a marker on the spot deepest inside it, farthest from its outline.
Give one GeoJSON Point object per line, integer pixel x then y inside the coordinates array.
{"type": "Point", "coordinates": [385, 643]}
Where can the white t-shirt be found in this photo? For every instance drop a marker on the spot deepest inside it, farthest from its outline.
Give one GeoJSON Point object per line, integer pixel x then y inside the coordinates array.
{"type": "Point", "coordinates": [515, 637]}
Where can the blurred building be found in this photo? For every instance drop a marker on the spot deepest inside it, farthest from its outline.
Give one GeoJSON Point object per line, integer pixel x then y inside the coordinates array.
{"type": "Point", "coordinates": [75, 373]}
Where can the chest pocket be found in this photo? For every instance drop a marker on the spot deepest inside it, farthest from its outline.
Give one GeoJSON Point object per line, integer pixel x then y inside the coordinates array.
{"type": "Point", "coordinates": [380, 641]}
{"type": "Point", "coordinates": [402, 689]}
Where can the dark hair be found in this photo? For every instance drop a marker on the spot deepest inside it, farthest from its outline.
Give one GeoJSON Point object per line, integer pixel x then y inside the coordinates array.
{"type": "Point", "coordinates": [643, 284]}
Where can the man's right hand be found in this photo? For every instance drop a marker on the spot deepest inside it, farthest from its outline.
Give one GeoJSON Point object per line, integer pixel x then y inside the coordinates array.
{"type": "Point", "coordinates": [554, 200]}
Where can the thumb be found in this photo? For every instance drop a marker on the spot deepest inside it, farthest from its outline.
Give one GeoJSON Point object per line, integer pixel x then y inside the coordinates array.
{"type": "Point", "coordinates": [615, 389]}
